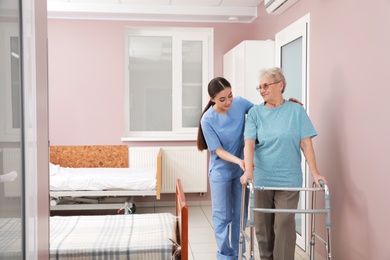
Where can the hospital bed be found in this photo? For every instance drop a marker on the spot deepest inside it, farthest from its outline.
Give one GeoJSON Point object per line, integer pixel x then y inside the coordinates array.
{"type": "Point", "coordinates": [99, 177]}
{"type": "Point", "coordinates": [132, 236]}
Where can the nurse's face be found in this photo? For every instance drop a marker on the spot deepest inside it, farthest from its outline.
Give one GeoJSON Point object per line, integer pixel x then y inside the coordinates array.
{"type": "Point", "coordinates": [223, 100]}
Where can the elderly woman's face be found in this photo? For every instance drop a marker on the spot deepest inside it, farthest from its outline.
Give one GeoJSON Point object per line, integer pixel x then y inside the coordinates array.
{"type": "Point", "coordinates": [270, 88]}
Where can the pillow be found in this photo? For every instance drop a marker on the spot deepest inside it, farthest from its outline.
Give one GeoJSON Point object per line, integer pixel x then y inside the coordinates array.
{"type": "Point", "coordinates": [54, 169]}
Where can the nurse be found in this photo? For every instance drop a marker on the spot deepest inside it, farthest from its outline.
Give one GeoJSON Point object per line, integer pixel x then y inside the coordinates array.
{"type": "Point", "coordinates": [221, 131]}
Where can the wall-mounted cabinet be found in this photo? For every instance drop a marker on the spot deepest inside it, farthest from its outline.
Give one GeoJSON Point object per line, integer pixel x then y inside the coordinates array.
{"type": "Point", "coordinates": [241, 66]}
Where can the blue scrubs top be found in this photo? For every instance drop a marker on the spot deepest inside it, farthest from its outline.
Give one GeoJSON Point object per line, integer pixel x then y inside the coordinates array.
{"type": "Point", "coordinates": [225, 131]}
{"type": "Point", "coordinates": [277, 156]}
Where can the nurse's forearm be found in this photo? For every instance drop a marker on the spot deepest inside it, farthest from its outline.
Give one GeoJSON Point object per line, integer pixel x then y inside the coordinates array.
{"type": "Point", "coordinates": [226, 156]}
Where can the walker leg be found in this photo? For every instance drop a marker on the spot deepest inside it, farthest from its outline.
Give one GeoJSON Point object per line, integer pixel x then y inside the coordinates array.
{"type": "Point", "coordinates": [312, 227]}
{"type": "Point", "coordinates": [312, 247]}
{"type": "Point", "coordinates": [314, 235]}
{"type": "Point", "coordinates": [252, 242]}
{"type": "Point", "coordinates": [242, 230]}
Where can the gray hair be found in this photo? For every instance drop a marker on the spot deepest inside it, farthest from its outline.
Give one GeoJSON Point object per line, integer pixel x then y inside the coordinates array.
{"type": "Point", "coordinates": [274, 73]}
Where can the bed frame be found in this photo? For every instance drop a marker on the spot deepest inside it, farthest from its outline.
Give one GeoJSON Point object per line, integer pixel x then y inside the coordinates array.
{"type": "Point", "coordinates": [111, 156]}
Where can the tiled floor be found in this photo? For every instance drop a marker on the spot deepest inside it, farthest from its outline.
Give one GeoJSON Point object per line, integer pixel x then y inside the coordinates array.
{"type": "Point", "coordinates": [202, 244]}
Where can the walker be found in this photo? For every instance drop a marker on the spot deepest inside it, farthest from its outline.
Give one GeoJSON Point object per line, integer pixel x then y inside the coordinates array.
{"type": "Point", "coordinates": [326, 210]}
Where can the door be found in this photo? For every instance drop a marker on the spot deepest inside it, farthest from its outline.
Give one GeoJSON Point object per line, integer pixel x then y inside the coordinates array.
{"type": "Point", "coordinates": [11, 174]}
{"type": "Point", "coordinates": [291, 51]}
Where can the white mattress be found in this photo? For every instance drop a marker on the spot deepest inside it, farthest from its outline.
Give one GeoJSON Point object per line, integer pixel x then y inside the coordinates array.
{"type": "Point", "coordinates": [78, 179]}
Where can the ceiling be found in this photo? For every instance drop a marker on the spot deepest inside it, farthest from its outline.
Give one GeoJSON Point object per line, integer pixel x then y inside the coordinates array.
{"type": "Point", "coordinates": [238, 11]}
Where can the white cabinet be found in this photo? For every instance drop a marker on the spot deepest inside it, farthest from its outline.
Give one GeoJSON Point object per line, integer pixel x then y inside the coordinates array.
{"type": "Point", "coordinates": [242, 64]}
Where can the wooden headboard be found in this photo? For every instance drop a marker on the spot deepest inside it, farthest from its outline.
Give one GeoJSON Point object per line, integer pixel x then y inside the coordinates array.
{"type": "Point", "coordinates": [112, 156]}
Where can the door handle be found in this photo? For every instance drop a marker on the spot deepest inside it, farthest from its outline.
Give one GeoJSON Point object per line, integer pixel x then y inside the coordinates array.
{"type": "Point", "coordinates": [11, 176]}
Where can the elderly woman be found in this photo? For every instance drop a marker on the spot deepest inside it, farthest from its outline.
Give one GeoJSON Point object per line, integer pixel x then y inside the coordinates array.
{"type": "Point", "coordinates": [275, 133]}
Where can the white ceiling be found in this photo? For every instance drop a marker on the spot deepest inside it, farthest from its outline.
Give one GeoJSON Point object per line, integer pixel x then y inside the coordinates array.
{"type": "Point", "coordinates": [242, 11]}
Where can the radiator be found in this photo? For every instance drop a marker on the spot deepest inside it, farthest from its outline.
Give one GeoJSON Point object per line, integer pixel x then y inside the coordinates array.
{"type": "Point", "coordinates": [12, 162]}
{"type": "Point", "coordinates": [184, 162]}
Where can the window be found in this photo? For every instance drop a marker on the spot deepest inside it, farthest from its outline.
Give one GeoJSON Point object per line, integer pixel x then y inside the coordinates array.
{"type": "Point", "coordinates": [166, 75]}
{"type": "Point", "coordinates": [9, 84]}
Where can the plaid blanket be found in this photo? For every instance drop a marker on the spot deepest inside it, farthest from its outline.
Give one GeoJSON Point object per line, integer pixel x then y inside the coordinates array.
{"type": "Point", "coordinates": [142, 236]}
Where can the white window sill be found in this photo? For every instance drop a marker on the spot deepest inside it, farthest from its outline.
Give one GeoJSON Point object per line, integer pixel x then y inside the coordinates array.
{"type": "Point", "coordinates": [158, 138]}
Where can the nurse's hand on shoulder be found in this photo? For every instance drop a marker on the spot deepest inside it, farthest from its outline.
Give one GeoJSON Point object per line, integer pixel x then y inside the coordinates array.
{"type": "Point", "coordinates": [295, 100]}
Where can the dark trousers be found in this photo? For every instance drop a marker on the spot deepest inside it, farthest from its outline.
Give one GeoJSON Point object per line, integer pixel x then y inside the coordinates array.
{"type": "Point", "coordinates": [275, 232]}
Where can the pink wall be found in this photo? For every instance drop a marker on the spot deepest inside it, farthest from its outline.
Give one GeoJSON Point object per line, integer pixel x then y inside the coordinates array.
{"type": "Point", "coordinates": [349, 62]}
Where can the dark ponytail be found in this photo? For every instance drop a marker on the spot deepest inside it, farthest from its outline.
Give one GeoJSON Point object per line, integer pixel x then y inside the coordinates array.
{"type": "Point", "coordinates": [215, 86]}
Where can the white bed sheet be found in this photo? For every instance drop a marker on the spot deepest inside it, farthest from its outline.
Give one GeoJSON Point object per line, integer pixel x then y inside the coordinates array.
{"type": "Point", "coordinates": [97, 179]}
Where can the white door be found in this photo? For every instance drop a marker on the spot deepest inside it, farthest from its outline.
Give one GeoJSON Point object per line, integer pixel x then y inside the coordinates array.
{"type": "Point", "coordinates": [291, 51]}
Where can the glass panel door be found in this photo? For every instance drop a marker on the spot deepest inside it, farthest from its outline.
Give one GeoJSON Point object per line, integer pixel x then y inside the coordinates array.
{"type": "Point", "coordinates": [291, 63]}
{"type": "Point", "coordinates": [11, 174]}
{"type": "Point", "coordinates": [291, 56]}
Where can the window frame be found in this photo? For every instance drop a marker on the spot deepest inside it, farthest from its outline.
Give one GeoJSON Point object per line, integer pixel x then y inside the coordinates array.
{"type": "Point", "coordinates": [178, 34]}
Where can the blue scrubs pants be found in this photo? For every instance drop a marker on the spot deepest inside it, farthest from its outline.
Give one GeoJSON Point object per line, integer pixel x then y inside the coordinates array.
{"type": "Point", "coordinates": [226, 207]}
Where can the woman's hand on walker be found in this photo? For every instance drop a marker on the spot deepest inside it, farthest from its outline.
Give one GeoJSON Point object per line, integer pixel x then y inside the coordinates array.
{"type": "Point", "coordinates": [245, 177]}
{"type": "Point", "coordinates": [317, 178]}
